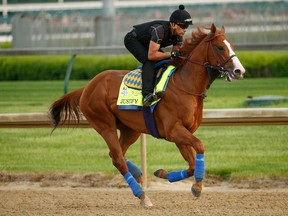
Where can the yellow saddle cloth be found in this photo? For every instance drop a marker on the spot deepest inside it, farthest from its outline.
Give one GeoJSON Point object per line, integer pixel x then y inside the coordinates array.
{"type": "Point", "coordinates": [130, 95]}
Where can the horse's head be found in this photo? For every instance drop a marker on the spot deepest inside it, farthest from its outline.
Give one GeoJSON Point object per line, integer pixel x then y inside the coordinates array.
{"type": "Point", "coordinates": [212, 50]}
{"type": "Point", "coordinates": [221, 55]}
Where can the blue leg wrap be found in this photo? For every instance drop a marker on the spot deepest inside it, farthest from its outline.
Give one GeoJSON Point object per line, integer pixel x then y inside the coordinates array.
{"type": "Point", "coordinates": [199, 167]}
{"type": "Point", "coordinates": [177, 175]}
{"type": "Point", "coordinates": [135, 187]}
{"type": "Point", "coordinates": [133, 169]}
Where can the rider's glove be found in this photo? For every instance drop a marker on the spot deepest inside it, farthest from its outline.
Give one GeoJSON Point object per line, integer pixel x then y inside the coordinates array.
{"type": "Point", "coordinates": [175, 54]}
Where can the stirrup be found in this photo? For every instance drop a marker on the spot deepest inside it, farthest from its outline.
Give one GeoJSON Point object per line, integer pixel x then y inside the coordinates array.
{"type": "Point", "coordinates": [149, 99]}
{"type": "Point", "coordinates": [159, 94]}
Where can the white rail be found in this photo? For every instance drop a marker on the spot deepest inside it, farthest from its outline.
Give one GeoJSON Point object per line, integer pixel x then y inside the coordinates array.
{"type": "Point", "coordinates": [211, 117]}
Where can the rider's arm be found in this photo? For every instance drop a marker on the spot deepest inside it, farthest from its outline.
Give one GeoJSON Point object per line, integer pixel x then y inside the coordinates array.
{"type": "Point", "coordinates": [157, 35]}
{"type": "Point", "coordinates": [154, 54]}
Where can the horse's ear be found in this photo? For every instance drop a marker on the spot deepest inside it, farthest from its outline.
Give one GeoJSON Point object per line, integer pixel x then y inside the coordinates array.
{"type": "Point", "coordinates": [223, 29]}
{"type": "Point", "coordinates": [213, 28]}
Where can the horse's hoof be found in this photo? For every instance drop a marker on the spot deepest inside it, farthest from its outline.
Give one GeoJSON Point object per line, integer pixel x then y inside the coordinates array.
{"type": "Point", "coordinates": [196, 189]}
{"type": "Point", "coordinates": [139, 180]}
{"type": "Point", "coordinates": [146, 202]}
{"type": "Point", "coordinates": [161, 173]}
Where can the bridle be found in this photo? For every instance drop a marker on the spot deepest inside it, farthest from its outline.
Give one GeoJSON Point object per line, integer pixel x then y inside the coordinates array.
{"type": "Point", "coordinates": [220, 67]}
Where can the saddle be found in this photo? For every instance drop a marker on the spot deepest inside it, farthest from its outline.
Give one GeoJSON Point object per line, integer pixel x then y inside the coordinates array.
{"type": "Point", "coordinates": [130, 95]}
{"type": "Point", "coordinates": [134, 78]}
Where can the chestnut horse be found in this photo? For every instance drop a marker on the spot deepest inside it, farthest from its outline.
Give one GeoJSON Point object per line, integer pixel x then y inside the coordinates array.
{"type": "Point", "coordinates": [204, 56]}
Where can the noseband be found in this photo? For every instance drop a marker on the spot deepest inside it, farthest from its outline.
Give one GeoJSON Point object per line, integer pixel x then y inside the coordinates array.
{"type": "Point", "coordinates": [220, 64]}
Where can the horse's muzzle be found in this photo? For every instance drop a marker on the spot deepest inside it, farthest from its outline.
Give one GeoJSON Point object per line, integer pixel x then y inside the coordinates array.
{"type": "Point", "coordinates": [235, 74]}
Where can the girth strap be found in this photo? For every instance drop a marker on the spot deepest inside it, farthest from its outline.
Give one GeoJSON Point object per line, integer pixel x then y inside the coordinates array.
{"type": "Point", "coordinates": [150, 121]}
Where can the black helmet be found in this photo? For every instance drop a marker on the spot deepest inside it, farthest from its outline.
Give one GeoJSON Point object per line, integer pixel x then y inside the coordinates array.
{"type": "Point", "coordinates": [181, 17]}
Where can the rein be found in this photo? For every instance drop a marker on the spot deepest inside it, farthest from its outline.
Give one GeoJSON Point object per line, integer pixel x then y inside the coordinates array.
{"type": "Point", "coordinates": [221, 65]}
{"type": "Point", "coordinates": [202, 95]}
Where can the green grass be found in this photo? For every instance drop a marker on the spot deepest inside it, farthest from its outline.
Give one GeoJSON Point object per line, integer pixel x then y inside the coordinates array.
{"type": "Point", "coordinates": [223, 94]}
{"type": "Point", "coordinates": [246, 151]}
{"type": "Point", "coordinates": [231, 152]}
{"type": "Point", "coordinates": [32, 96]}
{"type": "Point", "coordinates": [66, 150]}
{"type": "Point", "coordinates": [36, 96]}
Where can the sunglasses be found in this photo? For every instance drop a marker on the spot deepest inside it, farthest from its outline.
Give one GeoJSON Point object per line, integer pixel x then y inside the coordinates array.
{"type": "Point", "coordinates": [183, 25]}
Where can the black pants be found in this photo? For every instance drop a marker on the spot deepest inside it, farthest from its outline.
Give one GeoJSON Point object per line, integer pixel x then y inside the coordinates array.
{"type": "Point", "coordinates": [140, 52]}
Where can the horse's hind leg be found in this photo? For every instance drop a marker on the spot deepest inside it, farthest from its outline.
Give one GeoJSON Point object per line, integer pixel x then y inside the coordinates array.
{"type": "Point", "coordinates": [127, 138]}
{"type": "Point", "coordinates": [104, 122]}
{"type": "Point", "coordinates": [105, 125]}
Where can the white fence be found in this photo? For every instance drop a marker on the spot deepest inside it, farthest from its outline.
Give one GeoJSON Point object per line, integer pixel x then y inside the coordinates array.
{"type": "Point", "coordinates": [85, 23]}
{"type": "Point", "coordinates": [211, 117]}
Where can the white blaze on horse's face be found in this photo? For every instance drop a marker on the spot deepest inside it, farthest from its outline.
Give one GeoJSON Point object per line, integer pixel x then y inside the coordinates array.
{"type": "Point", "coordinates": [238, 69]}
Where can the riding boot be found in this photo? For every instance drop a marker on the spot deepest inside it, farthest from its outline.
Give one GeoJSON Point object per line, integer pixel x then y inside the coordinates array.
{"type": "Point", "coordinates": [148, 80]}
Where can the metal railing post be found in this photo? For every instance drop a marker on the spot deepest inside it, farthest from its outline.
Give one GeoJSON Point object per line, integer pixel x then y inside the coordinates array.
{"type": "Point", "coordinates": [68, 73]}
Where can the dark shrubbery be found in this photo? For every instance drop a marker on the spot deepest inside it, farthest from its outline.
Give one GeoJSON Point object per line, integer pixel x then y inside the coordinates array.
{"type": "Point", "coordinates": [257, 64]}
{"type": "Point", "coordinates": [264, 64]}
{"type": "Point", "coordinates": [55, 67]}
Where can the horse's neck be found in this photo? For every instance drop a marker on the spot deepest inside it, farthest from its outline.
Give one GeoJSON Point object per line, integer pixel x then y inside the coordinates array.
{"type": "Point", "coordinates": [193, 75]}
{"type": "Point", "coordinates": [193, 78]}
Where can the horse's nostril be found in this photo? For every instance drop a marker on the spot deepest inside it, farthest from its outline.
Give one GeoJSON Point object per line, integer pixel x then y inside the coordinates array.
{"type": "Point", "coordinates": [237, 71]}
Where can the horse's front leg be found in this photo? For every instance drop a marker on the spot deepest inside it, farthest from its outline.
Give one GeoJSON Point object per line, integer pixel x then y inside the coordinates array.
{"type": "Point", "coordinates": [124, 166]}
{"type": "Point", "coordinates": [183, 137]}
{"type": "Point", "coordinates": [187, 153]}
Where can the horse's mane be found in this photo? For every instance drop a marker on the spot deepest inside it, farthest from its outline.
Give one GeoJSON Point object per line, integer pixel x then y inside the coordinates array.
{"type": "Point", "coordinates": [189, 44]}
{"type": "Point", "coordinates": [196, 37]}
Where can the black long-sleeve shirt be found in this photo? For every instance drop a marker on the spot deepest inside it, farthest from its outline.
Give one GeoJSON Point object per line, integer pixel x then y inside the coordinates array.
{"type": "Point", "coordinates": [157, 31]}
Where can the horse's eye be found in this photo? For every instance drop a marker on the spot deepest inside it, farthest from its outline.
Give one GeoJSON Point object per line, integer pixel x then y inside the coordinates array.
{"type": "Point", "coordinates": [221, 48]}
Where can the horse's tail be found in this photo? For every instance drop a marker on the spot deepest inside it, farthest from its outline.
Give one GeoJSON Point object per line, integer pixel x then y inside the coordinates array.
{"type": "Point", "coordinates": [66, 108]}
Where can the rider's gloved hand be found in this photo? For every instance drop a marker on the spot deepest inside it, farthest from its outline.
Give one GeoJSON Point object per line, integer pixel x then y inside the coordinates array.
{"type": "Point", "coordinates": [175, 54]}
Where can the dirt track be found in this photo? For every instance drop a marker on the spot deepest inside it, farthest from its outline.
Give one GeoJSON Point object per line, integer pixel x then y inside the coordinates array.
{"type": "Point", "coordinates": [30, 198]}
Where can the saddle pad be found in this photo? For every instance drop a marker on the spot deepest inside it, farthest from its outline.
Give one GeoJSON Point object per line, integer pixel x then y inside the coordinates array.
{"type": "Point", "coordinates": [130, 98]}
{"type": "Point", "coordinates": [134, 79]}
